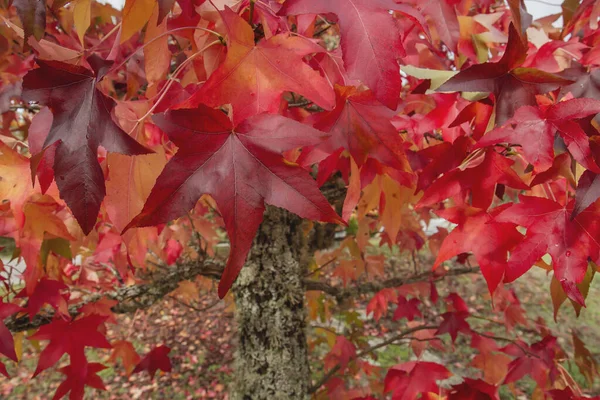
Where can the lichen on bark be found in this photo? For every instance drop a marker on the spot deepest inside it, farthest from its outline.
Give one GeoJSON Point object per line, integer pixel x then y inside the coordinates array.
{"type": "Point", "coordinates": [271, 357]}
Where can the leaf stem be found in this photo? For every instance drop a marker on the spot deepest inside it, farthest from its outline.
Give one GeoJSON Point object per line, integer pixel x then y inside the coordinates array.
{"type": "Point", "coordinates": [251, 13]}
{"type": "Point", "coordinates": [172, 78]}
{"type": "Point", "coordinates": [221, 39]}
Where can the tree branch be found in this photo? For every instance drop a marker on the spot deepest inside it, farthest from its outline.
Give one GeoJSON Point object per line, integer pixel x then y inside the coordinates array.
{"type": "Point", "coordinates": [372, 287]}
{"type": "Point", "coordinates": [130, 298]}
{"type": "Point", "coordinates": [369, 350]}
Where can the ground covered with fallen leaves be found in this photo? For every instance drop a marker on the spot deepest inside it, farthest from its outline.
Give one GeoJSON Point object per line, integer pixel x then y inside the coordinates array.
{"type": "Point", "coordinates": [202, 344]}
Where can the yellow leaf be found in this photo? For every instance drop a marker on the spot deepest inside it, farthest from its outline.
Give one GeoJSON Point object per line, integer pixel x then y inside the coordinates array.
{"type": "Point", "coordinates": [18, 339]}
{"type": "Point", "coordinates": [437, 77]}
{"type": "Point", "coordinates": [135, 15]}
{"type": "Point", "coordinates": [15, 184]}
{"type": "Point", "coordinates": [157, 57]}
{"type": "Point", "coordinates": [130, 180]}
{"type": "Point", "coordinates": [82, 13]}
{"type": "Point", "coordinates": [397, 198]}
{"type": "Point", "coordinates": [40, 218]}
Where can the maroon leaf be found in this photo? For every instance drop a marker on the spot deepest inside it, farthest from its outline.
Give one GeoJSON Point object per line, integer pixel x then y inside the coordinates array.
{"type": "Point", "coordinates": [158, 358]}
{"type": "Point", "coordinates": [453, 323]}
{"type": "Point", "coordinates": [408, 309]}
{"type": "Point", "coordinates": [33, 17]}
{"type": "Point", "coordinates": [512, 86]}
{"type": "Point", "coordinates": [588, 191]}
{"type": "Point", "coordinates": [82, 122]}
{"type": "Point", "coordinates": [241, 168]}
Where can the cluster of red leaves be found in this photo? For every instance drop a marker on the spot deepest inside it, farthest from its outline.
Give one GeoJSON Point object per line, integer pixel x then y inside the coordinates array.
{"type": "Point", "coordinates": [491, 125]}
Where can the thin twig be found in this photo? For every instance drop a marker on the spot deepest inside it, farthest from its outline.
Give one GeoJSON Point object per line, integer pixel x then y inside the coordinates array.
{"type": "Point", "coordinates": [321, 267]}
{"type": "Point", "coordinates": [371, 349]}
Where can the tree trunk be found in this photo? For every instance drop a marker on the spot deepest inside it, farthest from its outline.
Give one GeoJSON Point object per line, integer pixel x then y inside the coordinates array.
{"type": "Point", "coordinates": [271, 359]}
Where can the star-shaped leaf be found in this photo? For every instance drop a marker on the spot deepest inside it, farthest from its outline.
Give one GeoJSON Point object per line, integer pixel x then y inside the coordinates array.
{"type": "Point", "coordinates": [408, 309]}
{"type": "Point", "coordinates": [262, 72]}
{"type": "Point", "coordinates": [158, 358]}
{"type": "Point", "coordinates": [534, 128]}
{"type": "Point", "coordinates": [78, 378]}
{"type": "Point", "coordinates": [479, 180]}
{"type": "Point", "coordinates": [512, 85]}
{"type": "Point", "coordinates": [407, 381]}
{"type": "Point", "coordinates": [371, 40]}
{"type": "Point", "coordinates": [479, 233]}
{"type": "Point", "coordinates": [70, 338]}
{"type": "Point", "coordinates": [550, 229]}
{"type": "Point", "coordinates": [241, 168]}
{"type": "Point", "coordinates": [361, 125]}
{"type": "Point", "coordinates": [82, 122]}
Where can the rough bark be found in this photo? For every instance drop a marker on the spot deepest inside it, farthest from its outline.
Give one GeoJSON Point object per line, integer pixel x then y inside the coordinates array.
{"type": "Point", "coordinates": [271, 359]}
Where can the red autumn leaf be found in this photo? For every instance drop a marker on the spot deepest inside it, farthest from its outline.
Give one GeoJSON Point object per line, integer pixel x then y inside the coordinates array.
{"type": "Point", "coordinates": [538, 362]}
{"type": "Point", "coordinates": [534, 128]}
{"type": "Point", "coordinates": [570, 242]}
{"type": "Point", "coordinates": [477, 115]}
{"type": "Point", "coordinates": [441, 159]}
{"type": "Point", "coordinates": [407, 381]}
{"type": "Point", "coordinates": [456, 303]}
{"type": "Point", "coordinates": [478, 232]}
{"type": "Point", "coordinates": [442, 15]}
{"type": "Point", "coordinates": [157, 358]}
{"type": "Point", "coordinates": [7, 344]}
{"type": "Point", "coordinates": [41, 161]}
{"type": "Point", "coordinates": [341, 354]}
{"type": "Point", "coordinates": [512, 85]}
{"type": "Point", "coordinates": [368, 57]}
{"type": "Point", "coordinates": [241, 168]}
{"type": "Point", "coordinates": [378, 305]}
{"type": "Point", "coordinates": [453, 323]}
{"type": "Point", "coordinates": [408, 309]}
{"type": "Point", "coordinates": [361, 125]}
{"type": "Point", "coordinates": [473, 389]}
{"type": "Point", "coordinates": [279, 61]}
{"type": "Point", "coordinates": [102, 307]}
{"type": "Point", "coordinates": [173, 250]}
{"type": "Point", "coordinates": [478, 180]}
{"type": "Point", "coordinates": [78, 377]}
{"type": "Point", "coordinates": [567, 394]}
{"type": "Point", "coordinates": [82, 122]}
{"type": "Point", "coordinates": [69, 338]}
{"type": "Point", "coordinates": [46, 291]}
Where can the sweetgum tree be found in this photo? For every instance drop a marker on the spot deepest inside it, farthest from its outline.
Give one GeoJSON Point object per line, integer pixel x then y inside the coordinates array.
{"type": "Point", "coordinates": [286, 149]}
